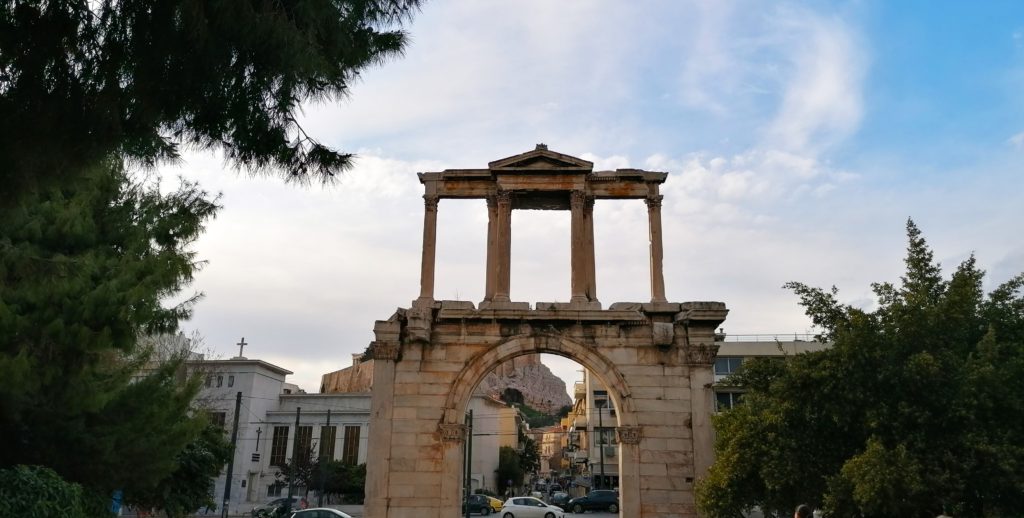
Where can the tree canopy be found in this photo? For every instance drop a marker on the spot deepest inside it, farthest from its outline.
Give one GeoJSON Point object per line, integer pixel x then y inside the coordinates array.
{"type": "Point", "coordinates": [187, 488]}
{"type": "Point", "coordinates": [137, 79]}
{"type": "Point", "coordinates": [916, 409]}
{"type": "Point", "coordinates": [84, 269]}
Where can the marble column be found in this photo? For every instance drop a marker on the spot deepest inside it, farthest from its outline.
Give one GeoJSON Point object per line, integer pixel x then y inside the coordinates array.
{"type": "Point", "coordinates": [429, 249]}
{"type": "Point", "coordinates": [503, 236]}
{"type": "Point", "coordinates": [588, 232]}
{"type": "Point", "coordinates": [657, 251]}
{"type": "Point", "coordinates": [492, 248]}
{"type": "Point", "coordinates": [578, 247]}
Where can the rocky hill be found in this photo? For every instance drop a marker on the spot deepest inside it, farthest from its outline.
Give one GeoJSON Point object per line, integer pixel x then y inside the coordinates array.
{"type": "Point", "coordinates": [541, 389]}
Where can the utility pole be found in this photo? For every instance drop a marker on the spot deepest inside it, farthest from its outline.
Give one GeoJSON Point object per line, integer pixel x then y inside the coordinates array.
{"type": "Point", "coordinates": [600, 426]}
{"type": "Point", "coordinates": [322, 468]}
{"type": "Point", "coordinates": [469, 460]}
{"type": "Point", "coordinates": [231, 460]}
{"type": "Point", "coordinates": [295, 454]}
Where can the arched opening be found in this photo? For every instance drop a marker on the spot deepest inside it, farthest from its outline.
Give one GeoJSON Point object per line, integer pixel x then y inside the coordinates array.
{"type": "Point", "coordinates": [601, 406]}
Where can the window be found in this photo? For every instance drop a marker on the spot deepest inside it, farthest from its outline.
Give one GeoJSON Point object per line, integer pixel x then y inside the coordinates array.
{"type": "Point", "coordinates": [726, 400]}
{"type": "Point", "coordinates": [350, 450]}
{"type": "Point", "coordinates": [220, 381]}
{"type": "Point", "coordinates": [726, 366]}
{"type": "Point", "coordinates": [604, 436]}
{"type": "Point", "coordinates": [275, 488]}
{"type": "Point", "coordinates": [218, 418]}
{"type": "Point", "coordinates": [279, 447]}
{"type": "Point", "coordinates": [231, 381]}
{"type": "Point", "coordinates": [327, 437]}
{"type": "Point", "coordinates": [305, 442]}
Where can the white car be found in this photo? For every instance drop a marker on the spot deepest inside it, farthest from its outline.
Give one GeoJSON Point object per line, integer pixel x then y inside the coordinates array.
{"type": "Point", "coordinates": [529, 507]}
{"type": "Point", "coordinates": [319, 512]}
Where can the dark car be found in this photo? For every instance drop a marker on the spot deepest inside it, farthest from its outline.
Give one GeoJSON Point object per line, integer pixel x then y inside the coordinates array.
{"type": "Point", "coordinates": [477, 504]}
{"type": "Point", "coordinates": [596, 500]}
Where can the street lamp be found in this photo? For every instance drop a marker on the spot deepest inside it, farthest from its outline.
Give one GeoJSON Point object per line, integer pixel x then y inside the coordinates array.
{"type": "Point", "coordinates": [600, 403]}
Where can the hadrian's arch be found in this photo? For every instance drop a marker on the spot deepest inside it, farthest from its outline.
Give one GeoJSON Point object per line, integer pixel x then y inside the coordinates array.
{"type": "Point", "coordinates": [654, 357]}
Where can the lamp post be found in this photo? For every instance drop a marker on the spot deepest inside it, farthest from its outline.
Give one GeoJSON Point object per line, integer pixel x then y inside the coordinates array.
{"type": "Point", "coordinates": [599, 403]}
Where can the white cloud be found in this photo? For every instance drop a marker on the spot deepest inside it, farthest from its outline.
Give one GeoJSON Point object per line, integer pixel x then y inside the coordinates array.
{"type": "Point", "coordinates": [1017, 140]}
{"type": "Point", "coordinates": [822, 99]}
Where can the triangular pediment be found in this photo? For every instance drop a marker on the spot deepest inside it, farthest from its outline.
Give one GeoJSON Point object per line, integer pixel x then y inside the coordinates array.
{"type": "Point", "coordinates": [541, 159]}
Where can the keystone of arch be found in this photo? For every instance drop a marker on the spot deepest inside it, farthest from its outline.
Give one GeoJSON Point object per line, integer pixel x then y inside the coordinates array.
{"type": "Point", "coordinates": [480, 364]}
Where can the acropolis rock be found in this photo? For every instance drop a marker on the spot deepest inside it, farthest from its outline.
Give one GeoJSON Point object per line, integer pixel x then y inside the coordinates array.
{"type": "Point", "coordinates": [541, 389]}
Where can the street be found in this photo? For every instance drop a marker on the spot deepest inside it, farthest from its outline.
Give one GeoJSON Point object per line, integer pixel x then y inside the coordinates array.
{"type": "Point", "coordinates": [588, 514]}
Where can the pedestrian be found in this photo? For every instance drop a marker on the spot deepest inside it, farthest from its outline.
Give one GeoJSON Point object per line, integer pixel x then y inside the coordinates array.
{"type": "Point", "coordinates": [303, 503]}
{"type": "Point", "coordinates": [802, 511]}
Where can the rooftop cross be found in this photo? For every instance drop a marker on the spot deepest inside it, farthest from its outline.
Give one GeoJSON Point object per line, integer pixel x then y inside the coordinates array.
{"type": "Point", "coordinates": [241, 345]}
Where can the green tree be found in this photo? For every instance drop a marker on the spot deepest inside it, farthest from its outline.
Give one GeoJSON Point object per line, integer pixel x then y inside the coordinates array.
{"type": "Point", "coordinates": [529, 456]}
{"type": "Point", "coordinates": [39, 492]}
{"type": "Point", "coordinates": [187, 488]}
{"type": "Point", "coordinates": [303, 469]}
{"type": "Point", "coordinates": [84, 269]}
{"type": "Point", "coordinates": [509, 468]}
{"type": "Point", "coordinates": [137, 79]}
{"type": "Point", "coordinates": [348, 480]}
{"type": "Point", "coordinates": [917, 408]}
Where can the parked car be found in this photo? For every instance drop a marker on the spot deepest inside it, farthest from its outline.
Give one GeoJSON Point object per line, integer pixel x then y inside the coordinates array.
{"type": "Point", "coordinates": [496, 504]}
{"type": "Point", "coordinates": [530, 507]}
{"type": "Point", "coordinates": [320, 512]}
{"type": "Point", "coordinates": [596, 500]}
{"type": "Point", "coordinates": [482, 504]}
{"type": "Point", "coordinates": [560, 498]}
{"type": "Point", "coordinates": [269, 507]}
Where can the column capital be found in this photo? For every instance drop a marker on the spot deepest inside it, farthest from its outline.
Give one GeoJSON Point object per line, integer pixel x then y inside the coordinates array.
{"type": "Point", "coordinates": [629, 434]}
{"type": "Point", "coordinates": [654, 202]}
{"type": "Point", "coordinates": [577, 199]}
{"type": "Point", "coordinates": [701, 354]}
{"type": "Point", "coordinates": [430, 202]}
{"type": "Point", "coordinates": [503, 199]}
{"type": "Point", "coordinates": [384, 351]}
{"type": "Point", "coordinates": [452, 432]}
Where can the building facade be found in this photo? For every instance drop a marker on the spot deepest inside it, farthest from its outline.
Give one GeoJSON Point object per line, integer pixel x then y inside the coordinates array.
{"type": "Point", "coordinates": [333, 425]}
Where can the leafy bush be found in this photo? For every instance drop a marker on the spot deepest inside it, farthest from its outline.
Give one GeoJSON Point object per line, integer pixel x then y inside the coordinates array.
{"type": "Point", "coordinates": [38, 492]}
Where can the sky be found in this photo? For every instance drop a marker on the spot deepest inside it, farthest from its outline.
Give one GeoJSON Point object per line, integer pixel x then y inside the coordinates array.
{"type": "Point", "coordinates": [798, 138]}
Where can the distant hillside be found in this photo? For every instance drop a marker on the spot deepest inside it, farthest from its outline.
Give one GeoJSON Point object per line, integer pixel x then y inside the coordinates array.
{"type": "Point", "coordinates": [541, 390]}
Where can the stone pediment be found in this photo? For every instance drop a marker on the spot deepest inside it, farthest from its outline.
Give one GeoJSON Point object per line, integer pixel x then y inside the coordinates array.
{"type": "Point", "coordinates": [541, 159]}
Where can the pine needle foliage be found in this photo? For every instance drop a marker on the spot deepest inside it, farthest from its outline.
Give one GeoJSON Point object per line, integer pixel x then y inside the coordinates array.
{"type": "Point", "coordinates": [85, 268]}
{"type": "Point", "coordinates": [84, 80]}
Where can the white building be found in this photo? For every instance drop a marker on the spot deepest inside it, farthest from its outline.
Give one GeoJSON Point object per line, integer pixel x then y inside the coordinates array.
{"type": "Point", "coordinates": [495, 424]}
{"type": "Point", "coordinates": [266, 425]}
{"type": "Point", "coordinates": [734, 350]}
{"type": "Point", "coordinates": [592, 436]}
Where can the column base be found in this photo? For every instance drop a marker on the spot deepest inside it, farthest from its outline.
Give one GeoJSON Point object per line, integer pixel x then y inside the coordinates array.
{"type": "Point", "coordinates": [573, 305]}
{"type": "Point", "coordinates": [504, 304]}
{"type": "Point", "coordinates": [423, 302]}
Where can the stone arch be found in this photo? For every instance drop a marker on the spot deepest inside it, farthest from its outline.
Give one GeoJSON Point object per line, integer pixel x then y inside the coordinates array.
{"type": "Point", "coordinates": [536, 343]}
